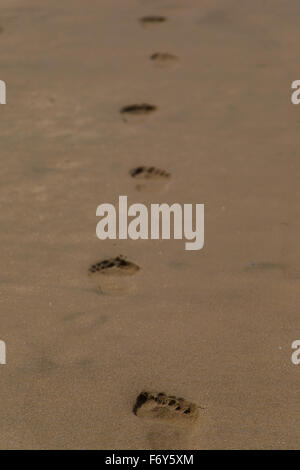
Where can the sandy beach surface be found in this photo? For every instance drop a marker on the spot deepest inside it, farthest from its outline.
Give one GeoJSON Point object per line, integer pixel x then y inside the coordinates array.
{"type": "Point", "coordinates": [214, 326]}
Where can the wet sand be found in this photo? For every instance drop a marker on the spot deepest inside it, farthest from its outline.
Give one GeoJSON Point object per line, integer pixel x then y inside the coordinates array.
{"type": "Point", "coordinates": [213, 326]}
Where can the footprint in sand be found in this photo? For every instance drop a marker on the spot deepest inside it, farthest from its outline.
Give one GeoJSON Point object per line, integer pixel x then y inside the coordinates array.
{"type": "Point", "coordinates": [164, 60]}
{"type": "Point", "coordinates": [271, 269]}
{"type": "Point", "coordinates": [265, 266]}
{"type": "Point", "coordinates": [165, 409]}
{"type": "Point", "coordinates": [137, 112]}
{"type": "Point", "coordinates": [114, 276]}
{"type": "Point", "coordinates": [150, 178]}
{"type": "Point", "coordinates": [85, 320]}
{"type": "Point", "coordinates": [152, 20]}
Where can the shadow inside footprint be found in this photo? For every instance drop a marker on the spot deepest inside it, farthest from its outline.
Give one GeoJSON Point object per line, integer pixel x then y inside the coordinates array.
{"type": "Point", "coordinates": [114, 275]}
{"type": "Point", "coordinates": [164, 59]}
{"type": "Point", "coordinates": [150, 178]}
{"type": "Point", "coordinates": [165, 408]}
{"type": "Point", "coordinates": [137, 110]}
{"type": "Point", "coordinates": [152, 20]}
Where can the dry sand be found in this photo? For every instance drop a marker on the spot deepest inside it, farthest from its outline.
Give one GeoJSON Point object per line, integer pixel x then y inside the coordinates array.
{"type": "Point", "coordinates": [213, 326]}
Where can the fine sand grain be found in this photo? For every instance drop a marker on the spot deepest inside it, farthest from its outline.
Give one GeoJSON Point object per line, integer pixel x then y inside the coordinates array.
{"type": "Point", "coordinates": [85, 106]}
